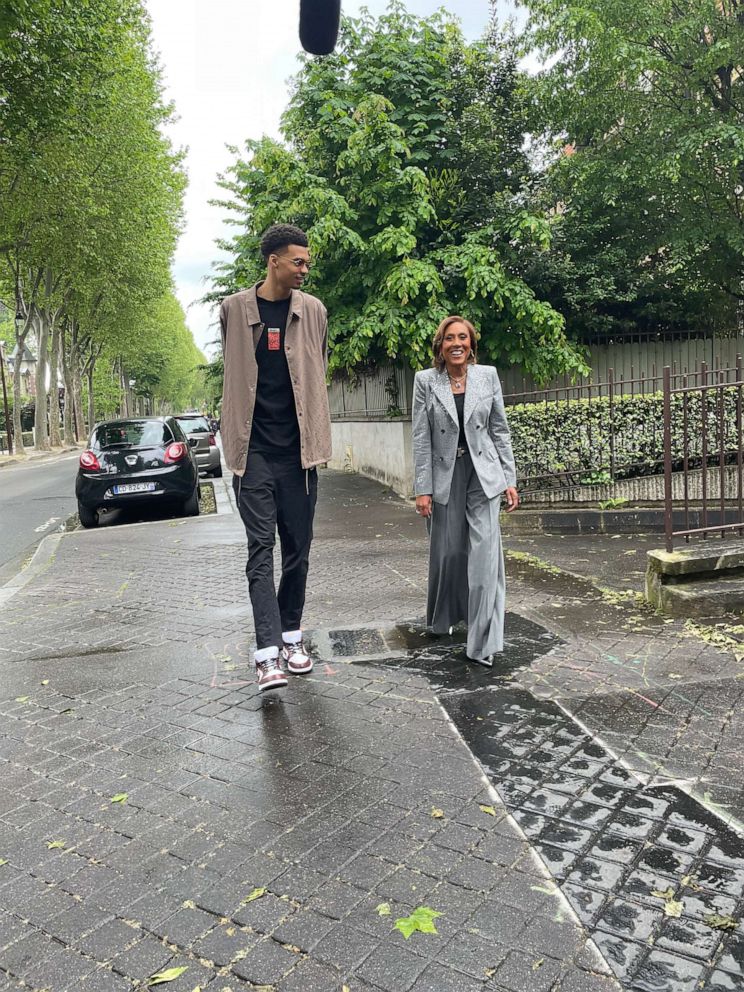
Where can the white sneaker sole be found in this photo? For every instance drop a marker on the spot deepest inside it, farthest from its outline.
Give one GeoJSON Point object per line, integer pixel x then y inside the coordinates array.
{"type": "Point", "coordinates": [273, 684]}
{"type": "Point", "coordinates": [300, 671]}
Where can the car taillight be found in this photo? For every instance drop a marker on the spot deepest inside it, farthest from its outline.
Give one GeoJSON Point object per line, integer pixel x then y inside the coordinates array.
{"type": "Point", "coordinates": [89, 461]}
{"type": "Point", "coordinates": [212, 441]}
{"type": "Point", "coordinates": [174, 452]}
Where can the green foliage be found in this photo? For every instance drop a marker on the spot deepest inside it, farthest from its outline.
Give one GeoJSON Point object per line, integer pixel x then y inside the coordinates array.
{"type": "Point", "coordinates": [583, 440]}
{"type": "Point", "coordinates": [404, 161]}
{"type": "Point", "coordinates": [90, 188]}
{"type": "Point", "coordinates": [164, 361]}
{"type": "Point", "coordinates": [650, 190]}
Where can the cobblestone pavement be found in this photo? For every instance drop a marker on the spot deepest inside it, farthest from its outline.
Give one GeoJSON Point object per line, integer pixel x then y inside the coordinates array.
{"type": "Point", "coordinates": [273, 842]}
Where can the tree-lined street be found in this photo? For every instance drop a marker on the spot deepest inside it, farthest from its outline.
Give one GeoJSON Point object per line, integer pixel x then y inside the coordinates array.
{"type": "Point", "coordinates": [36, 499]}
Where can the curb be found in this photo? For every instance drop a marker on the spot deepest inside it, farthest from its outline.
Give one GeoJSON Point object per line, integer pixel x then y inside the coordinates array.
{"type": "Point", "coordinates": [42, 558]}
{"type": "Point", "coordinates": [573, 520]}
{"type": "Point", "coordinates": [35, 457]}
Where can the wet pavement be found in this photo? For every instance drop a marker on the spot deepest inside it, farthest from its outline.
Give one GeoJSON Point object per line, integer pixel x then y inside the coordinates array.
{"type": "Point", "coordinates": [573, 813]}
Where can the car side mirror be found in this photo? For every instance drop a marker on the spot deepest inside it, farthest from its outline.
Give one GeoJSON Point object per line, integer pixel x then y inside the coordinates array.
{"type": "Point", "coordinates": [193, 441]}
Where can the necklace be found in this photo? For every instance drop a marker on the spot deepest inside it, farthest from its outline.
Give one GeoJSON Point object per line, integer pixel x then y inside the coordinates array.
{"type": "Point", "coordinates": [457, 382]}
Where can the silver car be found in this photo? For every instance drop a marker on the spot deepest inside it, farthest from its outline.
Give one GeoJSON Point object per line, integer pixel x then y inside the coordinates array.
{"type": "Point", "coordinates": [206, 452]}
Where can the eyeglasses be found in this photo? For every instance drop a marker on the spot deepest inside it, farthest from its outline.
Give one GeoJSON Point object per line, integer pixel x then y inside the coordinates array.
{"type": "Point", "coordinates": [300, 262]}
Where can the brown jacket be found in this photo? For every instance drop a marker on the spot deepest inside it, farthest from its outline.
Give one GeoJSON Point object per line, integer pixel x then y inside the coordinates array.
{"type": "Point", "coordinates": [306, 346]}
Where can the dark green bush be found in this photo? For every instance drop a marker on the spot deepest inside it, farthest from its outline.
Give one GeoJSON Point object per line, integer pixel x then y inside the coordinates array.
{"type": "Point", "coordinates": [593, 441]}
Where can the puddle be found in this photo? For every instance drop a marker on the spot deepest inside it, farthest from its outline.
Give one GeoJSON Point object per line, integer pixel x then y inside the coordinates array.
{"type": "Point", "coordinates": [612, 842]}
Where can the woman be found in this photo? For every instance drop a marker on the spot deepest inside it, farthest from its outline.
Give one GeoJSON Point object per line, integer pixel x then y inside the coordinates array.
{"type": "Point", "coordinates": [463, 465]}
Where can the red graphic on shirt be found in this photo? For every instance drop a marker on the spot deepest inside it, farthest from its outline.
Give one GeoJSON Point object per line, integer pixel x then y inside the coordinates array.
{"type": "Point", "coordinates": [275, 339]}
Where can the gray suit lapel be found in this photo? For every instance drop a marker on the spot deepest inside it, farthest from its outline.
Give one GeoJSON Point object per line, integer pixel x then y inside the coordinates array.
{"type": "Point", "coordinates": [475, 389]}
{"type": "Point", "coordinates": [443, 391]}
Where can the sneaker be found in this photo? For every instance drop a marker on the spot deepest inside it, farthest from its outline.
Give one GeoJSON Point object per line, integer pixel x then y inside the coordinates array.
{"type": "Point", "coordinates": [297, 659]}
{"type": "Point", "coordinates": [270, 674]}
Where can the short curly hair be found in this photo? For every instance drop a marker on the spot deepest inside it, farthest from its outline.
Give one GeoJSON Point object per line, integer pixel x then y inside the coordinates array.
{"type": "Point", "coordinates": [279, 236]}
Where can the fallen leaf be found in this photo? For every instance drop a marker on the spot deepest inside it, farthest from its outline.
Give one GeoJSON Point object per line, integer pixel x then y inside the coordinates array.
{"type": "Point", "coordinates": [169, 975]}
{"type": "Point", "coordinates": [538, 964]}
{"type": "Point", "coordinates": [255, 894]}
{"type": "Point", "coordinates": [45, 682]}
{"type": "Point", "coordinates": [421, 919]}
{"type": "Point", "coordinates": [437, 814]}
{"type": "Point", "coordinates": [68, 710]}
{"type": "Point", "coordinates": [487, 809]}
{"type": "Point", "coordinates": [54, 844]}
{"type": "Point", "coordinates": [120, 797]}
{"type": "Point", "coordinates": [189, 904]}
{"type": "Point", "coordinates": [720, 922]}
{"type": "Point", "coordinates": [672, 907]}
{"type": "Point", "coordinates": [22, 699]}
{"type": "Point", "coordinates": [3, 861]}
{"type": "Point", "coordinates": [383, 909]}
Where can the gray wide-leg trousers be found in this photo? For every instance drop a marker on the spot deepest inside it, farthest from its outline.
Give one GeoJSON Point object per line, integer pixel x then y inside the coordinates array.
{"type": "Point", "coordinates": [466, 564]}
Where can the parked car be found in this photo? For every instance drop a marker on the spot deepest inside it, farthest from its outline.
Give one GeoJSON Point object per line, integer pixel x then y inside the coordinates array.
{"type": "Point", "coordinates": [207, 453]}
{"type": "Point", "coordinates": [133, 461]}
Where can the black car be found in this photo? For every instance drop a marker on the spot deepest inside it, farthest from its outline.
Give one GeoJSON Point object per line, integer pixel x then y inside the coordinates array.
{"type": "Point", "coordinates": [140, 459]}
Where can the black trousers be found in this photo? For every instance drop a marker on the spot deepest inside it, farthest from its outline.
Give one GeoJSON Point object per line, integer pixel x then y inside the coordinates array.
{"type": "Point", "coordinates": [276, 494]}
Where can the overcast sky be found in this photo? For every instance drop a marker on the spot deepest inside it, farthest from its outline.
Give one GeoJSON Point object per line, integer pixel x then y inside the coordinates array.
{"type": "Point", "coordinates": [226, 64]}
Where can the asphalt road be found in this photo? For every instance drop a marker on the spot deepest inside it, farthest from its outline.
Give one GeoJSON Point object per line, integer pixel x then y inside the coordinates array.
{"type": "Point", "coordinates": [36, 499]}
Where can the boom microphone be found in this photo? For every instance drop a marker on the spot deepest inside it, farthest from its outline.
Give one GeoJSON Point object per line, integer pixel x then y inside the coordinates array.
{"type": "Point", "coordinates": [319, 22]}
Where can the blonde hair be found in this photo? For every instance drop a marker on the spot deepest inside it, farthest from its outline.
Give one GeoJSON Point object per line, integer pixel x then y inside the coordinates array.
{"type": "Point", "coordinates": [438, 340]}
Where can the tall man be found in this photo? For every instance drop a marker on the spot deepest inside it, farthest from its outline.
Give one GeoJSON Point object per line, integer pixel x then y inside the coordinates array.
{"type": "Point", "coordinates": [276, 428]}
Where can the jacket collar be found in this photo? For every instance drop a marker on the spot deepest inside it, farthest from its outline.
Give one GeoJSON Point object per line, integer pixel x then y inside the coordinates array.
{"type": "Point", "coordinates": [475, 390]}
{"type": "Point", "coordinates": [443, 391]}
{"type": "Point", "coordinates": [250, 303]}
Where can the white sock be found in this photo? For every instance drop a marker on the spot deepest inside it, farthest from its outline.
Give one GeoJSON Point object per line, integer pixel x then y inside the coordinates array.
{"type": "Point", "coordinates": [292, 636]}
{"type": "Point", "coordinates": [265, 654]}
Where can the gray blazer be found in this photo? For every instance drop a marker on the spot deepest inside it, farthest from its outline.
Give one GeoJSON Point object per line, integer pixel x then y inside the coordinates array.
{"type": "Point", "coordinates": [435, 433]}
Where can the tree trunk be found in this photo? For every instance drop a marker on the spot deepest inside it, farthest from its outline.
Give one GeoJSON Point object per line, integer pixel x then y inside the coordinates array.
{"type": "Point", "coordinates": [127, 410]}
{"type": "Point", "coordinates": [91, 399]}
{"type": "Point", "coordinates": [77, 386]}
{"type": "Point", "coordinates": [41, 426]}
{"type": "Point", "coordinates": [67, 419]}
{"type": "Point", "coordinates": [55, 437]}
{"type": "Point", "coordinates": [20, 340]}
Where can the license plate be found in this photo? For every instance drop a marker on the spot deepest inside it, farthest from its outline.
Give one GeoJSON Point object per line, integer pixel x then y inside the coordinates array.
{"type": "Point", "coordinates": [134, 487]}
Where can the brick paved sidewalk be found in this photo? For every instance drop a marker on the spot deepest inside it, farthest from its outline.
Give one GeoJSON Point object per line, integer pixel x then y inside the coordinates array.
{"type": "Point", "coordinates": [273, 843]}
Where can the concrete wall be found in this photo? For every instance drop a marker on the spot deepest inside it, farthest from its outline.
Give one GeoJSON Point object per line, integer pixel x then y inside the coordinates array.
{"type": "Point", "coordinates": [378, 449]}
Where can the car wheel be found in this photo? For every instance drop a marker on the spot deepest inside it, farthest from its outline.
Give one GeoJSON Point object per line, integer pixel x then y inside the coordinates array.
{"type": "Point", "coordinates": [218, 472]}
{"type": "Point", "coordinates": [191, 505]}
{"type": "Point", "coordinates": [87, 517]}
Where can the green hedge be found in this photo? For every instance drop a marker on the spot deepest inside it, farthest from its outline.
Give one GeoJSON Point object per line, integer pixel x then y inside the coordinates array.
{"type": "Point", "coordinates": [577, 438]}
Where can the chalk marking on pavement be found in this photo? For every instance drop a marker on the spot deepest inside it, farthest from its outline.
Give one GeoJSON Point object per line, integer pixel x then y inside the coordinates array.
{"type": "Point", "coordinates": [404, 577]}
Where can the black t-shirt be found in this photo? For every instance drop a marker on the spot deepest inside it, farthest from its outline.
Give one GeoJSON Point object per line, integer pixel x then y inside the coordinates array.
{"type": "Point", "coordinates": [275, 429]}
{"type": "Point", "coordinates": [460, 406]}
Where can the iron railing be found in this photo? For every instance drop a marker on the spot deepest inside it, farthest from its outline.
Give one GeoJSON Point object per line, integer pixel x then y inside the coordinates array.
{"type": "Point", "coordinates": [595, 433]}
{"type": "Point", "coordinates": [703, 454]}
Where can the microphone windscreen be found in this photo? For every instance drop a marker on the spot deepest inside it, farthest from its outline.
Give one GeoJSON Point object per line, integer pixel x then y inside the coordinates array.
{"type": "Point", "coordinates": [319, 23]}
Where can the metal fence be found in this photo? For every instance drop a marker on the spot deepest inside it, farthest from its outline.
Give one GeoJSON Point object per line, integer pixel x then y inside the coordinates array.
{"type": "Point", "coordinates": [704, 449]}
{"type": "Point", "coordinates": [384, 392]}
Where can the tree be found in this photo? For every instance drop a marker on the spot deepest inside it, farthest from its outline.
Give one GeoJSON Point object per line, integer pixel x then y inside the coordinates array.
{"type": "Point", "coordinates": [90, 189]}
{"type": "Point", "coordinates": [403, 162]}
{"type": "Point", "coordinates": [648, 101]}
